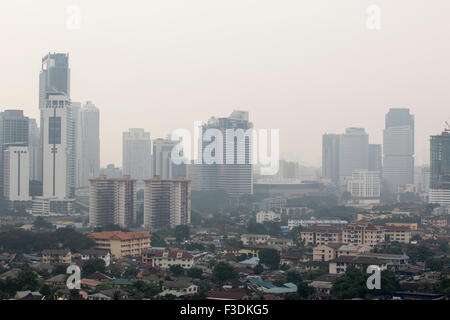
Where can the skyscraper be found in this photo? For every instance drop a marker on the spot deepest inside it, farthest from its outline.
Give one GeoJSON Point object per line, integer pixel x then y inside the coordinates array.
{"type": "Point", "coordinates": [234, 174]}
{"type": "Point", "coordinates": [90, 143]}
{"type": "Point", "coordinates": [166, 203]}
{"type": "Point", "coordinates": [136, 154]}
{"type": "Point", "coordinates": [58, 164]}
{"type": "Point", "coordinates": [440, 169]}
{"type": "Point", "coordinates": [13, 130]}
{"type": "Point", "coordinates": [330, 157]}
{"type": "Point", "coordinates": [34, 143]}
{"type": "Point", "coordinates": [398, 149]}
{"type": "Point", "coordinates": [353, 152]}
{"type": "Point", "coordinates": [112, 201]}
{"type": "Point", "coordinates": [375, 158]}
{"type": "Point", "coordinates": [162, 160]}
{"type": "Point", "coordinates": [54, 77]}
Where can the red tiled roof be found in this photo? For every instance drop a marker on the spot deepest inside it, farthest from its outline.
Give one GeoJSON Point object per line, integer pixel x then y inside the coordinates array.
{"type": "Point", "coordinates": [119, 235]}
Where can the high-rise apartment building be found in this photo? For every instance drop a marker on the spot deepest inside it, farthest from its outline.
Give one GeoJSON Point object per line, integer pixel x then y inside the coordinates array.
{"type": "Point", "coordinates": [112, 201]}
{"type": "Point", "coordinates": [353, 152]}
{"type": "Point", "coordinates": [166, 203]}
{"type": "Point", "coordinates": [330, 157]}
{"type": "Point", "coordinates": [136, 154]}
{"type": "Point", "coordinates": [13, 129]}
{"type": "Point", "coordinates": [398, 149]}
{"type": "Point", "coordinates": [439, 191]}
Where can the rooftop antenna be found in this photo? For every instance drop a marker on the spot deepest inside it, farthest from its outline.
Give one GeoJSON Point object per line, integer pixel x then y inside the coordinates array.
{"type": "Point", "coordinates": [447, 129]}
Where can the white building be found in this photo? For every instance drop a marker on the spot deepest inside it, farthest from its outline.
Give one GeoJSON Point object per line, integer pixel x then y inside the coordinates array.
{"type": "Point", "coordinates": [293, 223]}
{"type": "Point", "coordinates": [16, 173]}
{"type": "Point", "coordinates": [267, 216]}
{"type": "Point", "coordinates": [365, 186]}
{"type": "Point", "coordinates": [58, 164]}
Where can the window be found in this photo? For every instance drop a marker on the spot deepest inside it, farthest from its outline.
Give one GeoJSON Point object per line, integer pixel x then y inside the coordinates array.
{"type": "Point", "coordinates": [54, 130]}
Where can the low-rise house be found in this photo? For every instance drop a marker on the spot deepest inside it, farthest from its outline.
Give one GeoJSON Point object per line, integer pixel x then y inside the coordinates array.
{"type": "Point", "coordinates": [58, 281]}
{"type": "Point", "coordinates": [353, 249]}
{"type": "Point", "coordinates": [98, 276]}
{"type": "Point", "coordinates": [28, 295]}
{"type": "Point", "coordinates": [326, 252]}
{"type": "Point", "coordinates": [267, 216]}
{"type": "Point", "coordinates": [258, 284]}
{"type": "Point", "coordinates": [121, 244]}
{"type": "Point", "coordinates": [393, 261]}
{"type": "Point", "coordinates": [341, 264]}
{"type": "Point", "coordinates": [56, 256]}
{"type": "Point", "coordinates": [96, 254]}
{"type": "Point", "coordinates": [252, 239]}
{"type": "Point", "coordinates": [12, 274]}
{"type": "Point", "coordinates": [228, 294]}
{"type": "Point", "coordinates": [363, 232]}
{"type": "Point", "coordinates": [280, 242]}
{"type": "Point", "coordinates": [178, 288]}
{"type": "Point", "coordinates": [167, 258]}
{"type": "Point", "coordinates": [399, 234]}
{"type": "Point", "coordinates": [99, 296]}
{"type": "Point", "coordinates": [320, 235]}
{"type": "Point", "coordinates": [323, 284]}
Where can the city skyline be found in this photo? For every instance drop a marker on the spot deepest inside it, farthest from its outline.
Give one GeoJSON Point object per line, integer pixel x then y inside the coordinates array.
{"type": "Point", "coordinates": [383, 69]}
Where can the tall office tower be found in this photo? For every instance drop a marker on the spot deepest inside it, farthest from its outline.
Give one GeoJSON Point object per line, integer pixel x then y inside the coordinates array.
{"type": "Point", "coordinates": [235, 174]}
{"type": "Point", "coordinates": [54, 78]}
{"type": "Point", "coordinates": [330, 157]}
{"type": "Point", "coordinates": [440, 169]}
{"type": "Point", "coordinates": [112, 201]}
{"type": "Point", "coordinates": [353, 152]}
{"type": "Point", "coordinates": [162, 160]}
{"type": "Point", "coordinates": [136, 154]}
{"type": "Point", "coordinates": [76, 152]}
{"type": "Point", "coordinates": [34, 142]}
{"type": "Point", "coordinates": [56, 126]}
{"type": "Point", "coordinates": [398, 148]}
{"type": "Point", "coordinates": [365, 186]}
{"type": "Point", "coordinates": [90, 143]}
{"type": "Point", "coordinates": [13, 129]}
{"type": "Point", "coordinates": [16, 173]}
{"type": "Point", "coordinates": [375, 157]}
{"type": "Point", "coordinates": [166, 203]}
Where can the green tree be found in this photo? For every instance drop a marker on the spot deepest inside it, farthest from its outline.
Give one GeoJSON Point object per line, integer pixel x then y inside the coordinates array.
{"type": "Point", "coordinates": [270, 257]}
{"type": "Point", "coordinates": [223, 271]}
{"type": "Point", "coordinates": [177, 270]}
{"type": "Point", "coordinates": [182, 233]}
{"type": "Point", "coordinates": [27, 278]}
{"type": "Point", "coordinates": [93, 265]}
{"type": "Point", "coordinates": [195, 273]}
{"type": "Point", "coordinates": [258, 269]}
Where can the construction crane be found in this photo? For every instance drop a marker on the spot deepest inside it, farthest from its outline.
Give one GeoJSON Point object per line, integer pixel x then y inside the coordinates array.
{"type": "Point", "coordinates": [447, 129]}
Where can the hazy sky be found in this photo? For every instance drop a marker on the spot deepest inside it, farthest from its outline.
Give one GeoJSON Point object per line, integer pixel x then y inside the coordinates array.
{"type": "Point", "coordinates": [304, 66]}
